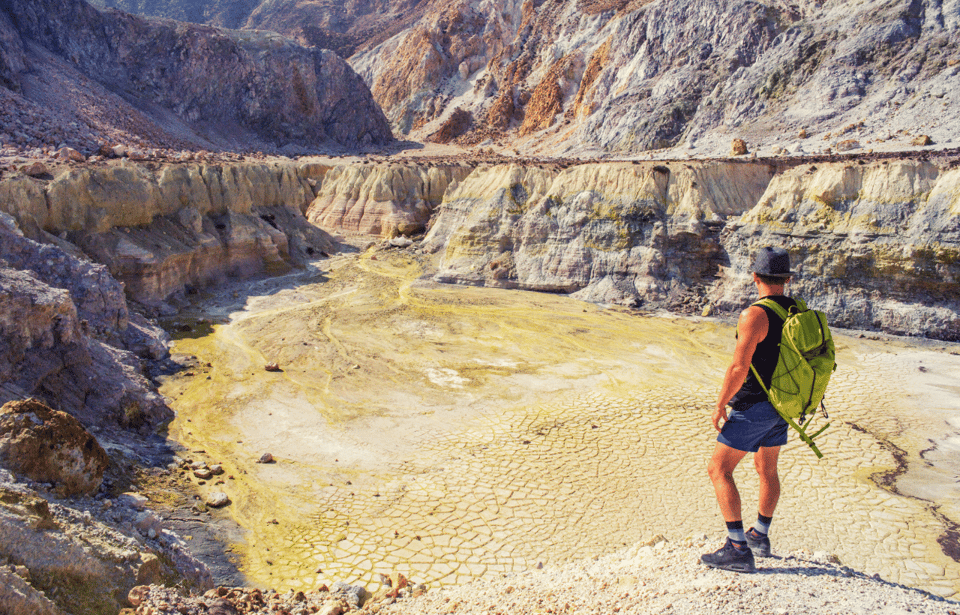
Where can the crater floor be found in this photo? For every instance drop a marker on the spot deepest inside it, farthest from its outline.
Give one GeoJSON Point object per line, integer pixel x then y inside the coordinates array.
{"type": "Point", "coordinates": [452, 432]}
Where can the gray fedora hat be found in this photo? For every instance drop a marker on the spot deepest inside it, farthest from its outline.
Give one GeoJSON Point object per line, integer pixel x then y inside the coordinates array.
{"type": "Point", "coordinates": [772, 262]}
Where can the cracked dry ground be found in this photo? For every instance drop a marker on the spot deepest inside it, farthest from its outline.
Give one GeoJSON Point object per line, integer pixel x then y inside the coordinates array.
{"type": "Point", "coordinates": [453, 432]}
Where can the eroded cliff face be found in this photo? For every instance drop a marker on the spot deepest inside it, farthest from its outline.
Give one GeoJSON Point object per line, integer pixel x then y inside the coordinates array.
{"type": "Point", "coordinates": [166, 230]}
{"type": "Point", "coordinates": [638, 234]}
{"type": "Point", "coordinates": [875, 243]}
{"type": "Point", "coordinates": [68, 337]}
{"type": "Point", "coordinates": [391, 200]}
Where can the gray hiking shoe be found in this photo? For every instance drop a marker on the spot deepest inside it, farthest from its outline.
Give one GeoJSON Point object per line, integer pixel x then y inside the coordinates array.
{"type": "Point", "coordinates": [729, 557]}
{"type": "Point", "coordinates": [758, 543]}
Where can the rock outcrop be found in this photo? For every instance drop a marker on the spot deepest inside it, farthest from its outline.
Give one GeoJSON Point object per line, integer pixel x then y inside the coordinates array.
{"type": "Point", "coordinates": [876, 244]}
{"type": "Point", "coordinates": [176, 85]}
{"type": "Point", "coordinates": [638, 234]}
{"type": "Point", "coordinates": [164, 231]}
{"type": "Point", "coordinates": [68, 337]}
{"type": "Point", "coordinates": [70, 556]}
{"type": "Point", "coordinates": [382, 200]}
{"type": "Point", "coordinates": [48, 446]}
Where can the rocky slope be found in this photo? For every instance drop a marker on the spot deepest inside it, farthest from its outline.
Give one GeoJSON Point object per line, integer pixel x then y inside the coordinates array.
{"type": "Point", "coordinates": [623, 77]}
{"type": "Point", "coordinates": [341, 26]}
{"type": "Point", "coordinates": [73, 75]}
{"type": "Point", "coordinates": [592, 77]}
{"type": "Point", "coordinates": [576, 77]}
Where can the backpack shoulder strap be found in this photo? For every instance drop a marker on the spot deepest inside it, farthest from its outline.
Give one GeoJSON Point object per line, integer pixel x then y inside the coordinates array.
{"type": "Point", "coordinates": [773, 305]}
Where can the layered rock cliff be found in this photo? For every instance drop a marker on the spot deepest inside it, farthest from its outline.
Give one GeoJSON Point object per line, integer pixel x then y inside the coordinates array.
{"type": "Point", "coordinates": [162, 232]}
{"type": "Point", "coordinates": [74, 75]}
{"type": "Point", "coordinates": [397, 199]}
{"type": "Point", "coordinates": [876, 244]}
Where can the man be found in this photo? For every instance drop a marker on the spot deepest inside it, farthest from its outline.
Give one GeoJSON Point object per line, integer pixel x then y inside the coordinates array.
{"type": "Point", "coordinates": [754, 426]}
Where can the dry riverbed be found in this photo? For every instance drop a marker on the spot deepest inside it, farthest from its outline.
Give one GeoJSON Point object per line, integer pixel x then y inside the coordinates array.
{"type": "Point", "coordinates": [451, 433]}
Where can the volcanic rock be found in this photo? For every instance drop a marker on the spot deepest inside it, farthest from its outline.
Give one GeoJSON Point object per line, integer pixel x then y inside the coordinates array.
{"type": "Point", "coordinates": [49, 446]}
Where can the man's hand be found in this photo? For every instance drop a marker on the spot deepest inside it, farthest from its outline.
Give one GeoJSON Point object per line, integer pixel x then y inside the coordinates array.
{"type": "Point", "coordinates": [719, 413]}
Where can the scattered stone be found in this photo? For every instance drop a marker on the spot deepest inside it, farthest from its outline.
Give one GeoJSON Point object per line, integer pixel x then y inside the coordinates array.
{"type": "Point", "coordinates": [150, 570]}
{"type": "Point", "coordinates": [802, 134]}
{"type": "Point", "coordinates": [331, 607]}
{"type": "Point", "coordinates": [70, 154]}
{"type": "Point", "coordinates": [203, 473]}
{"type": "Point", "coordinates": [133, 500]}
{"type": "Point", "coordinates": [272, 367]}
{"type": "Point", "coordinates": [738, 147]}
{"type": "Point", "coordinates": [266, 458]}
{"type": "Point", "coordinates": [217, 499]}
{"type": "Point", "coordinates": [922, 141]}
{"type": "Point", "coordinates": [216, 469]}
{"type": "Point", "coordinates": [137, 595]}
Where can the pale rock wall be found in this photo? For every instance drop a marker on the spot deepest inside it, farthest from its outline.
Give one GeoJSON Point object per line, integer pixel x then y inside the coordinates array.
{"type": "Point", "coordinates": [617, 232]}
{"type": "Point", "coordinates": [382, 200]}
{"type": "Point", "coordinates": [163, 231]}
{"type": "Point", "coordinates": [877, 246]}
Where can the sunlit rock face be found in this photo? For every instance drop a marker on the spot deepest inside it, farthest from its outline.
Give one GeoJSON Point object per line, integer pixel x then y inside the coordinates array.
{"type": "Point", "coordinates": [639, 234]}
{"type": "Point", "coordinates": [163, 232]}
{"type": "Point", "coordinates": [382, 200]}
{"type": "Point", "coordinates": [875, 245]}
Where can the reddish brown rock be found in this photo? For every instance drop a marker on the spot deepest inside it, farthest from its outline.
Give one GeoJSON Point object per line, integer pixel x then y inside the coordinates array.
{"type": "Point", "coordinates": [34, 169]}
{"type": "Point", "coordinates": [738, 147]}
{"type": "Point", "coordinates": [49, 446]}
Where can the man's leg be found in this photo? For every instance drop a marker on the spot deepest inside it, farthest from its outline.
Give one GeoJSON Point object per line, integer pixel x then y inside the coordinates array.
{"type": "Point", "coordinates": [735, 554]}
{"type": "Point", "coordinates": [765, 461]}
{"type": "Point", "coordinates": [721, 467]}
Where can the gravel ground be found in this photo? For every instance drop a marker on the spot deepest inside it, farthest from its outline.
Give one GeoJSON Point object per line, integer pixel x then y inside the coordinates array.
{"type": "Point", "coordinates": [657, 577]}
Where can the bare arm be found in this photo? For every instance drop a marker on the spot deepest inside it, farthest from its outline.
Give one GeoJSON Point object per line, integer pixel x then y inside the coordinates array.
{"type": "Point", "coordinates": [751, 329]}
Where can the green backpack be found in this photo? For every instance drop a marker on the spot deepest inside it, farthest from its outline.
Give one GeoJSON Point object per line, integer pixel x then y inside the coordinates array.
{"type": "Point", "coordinates": [807, 360]}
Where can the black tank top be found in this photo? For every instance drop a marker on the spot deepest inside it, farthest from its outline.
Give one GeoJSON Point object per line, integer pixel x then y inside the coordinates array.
{"type": "Point", "coordinates": [764, 358]}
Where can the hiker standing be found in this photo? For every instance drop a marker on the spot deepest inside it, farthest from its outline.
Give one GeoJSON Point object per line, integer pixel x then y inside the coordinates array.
{"type": "Point", "coordinates": [753, 425]}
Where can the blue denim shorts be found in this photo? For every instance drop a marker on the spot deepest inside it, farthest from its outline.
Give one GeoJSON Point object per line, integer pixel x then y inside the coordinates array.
{"type": "Point", "coordinates": [757, 426]}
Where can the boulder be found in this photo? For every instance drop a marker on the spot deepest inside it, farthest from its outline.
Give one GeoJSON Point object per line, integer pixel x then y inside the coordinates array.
{"type": "Point", "coordinates": [49, 446]}
{"type": "Point", "coordinates": [35, 169]}
{"type": "Point", "coordinates": [847, 145]}
{"type": "Point", "coordinates": [922, 141]}
{"type": "Point", "coordinates": [738, 147]}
